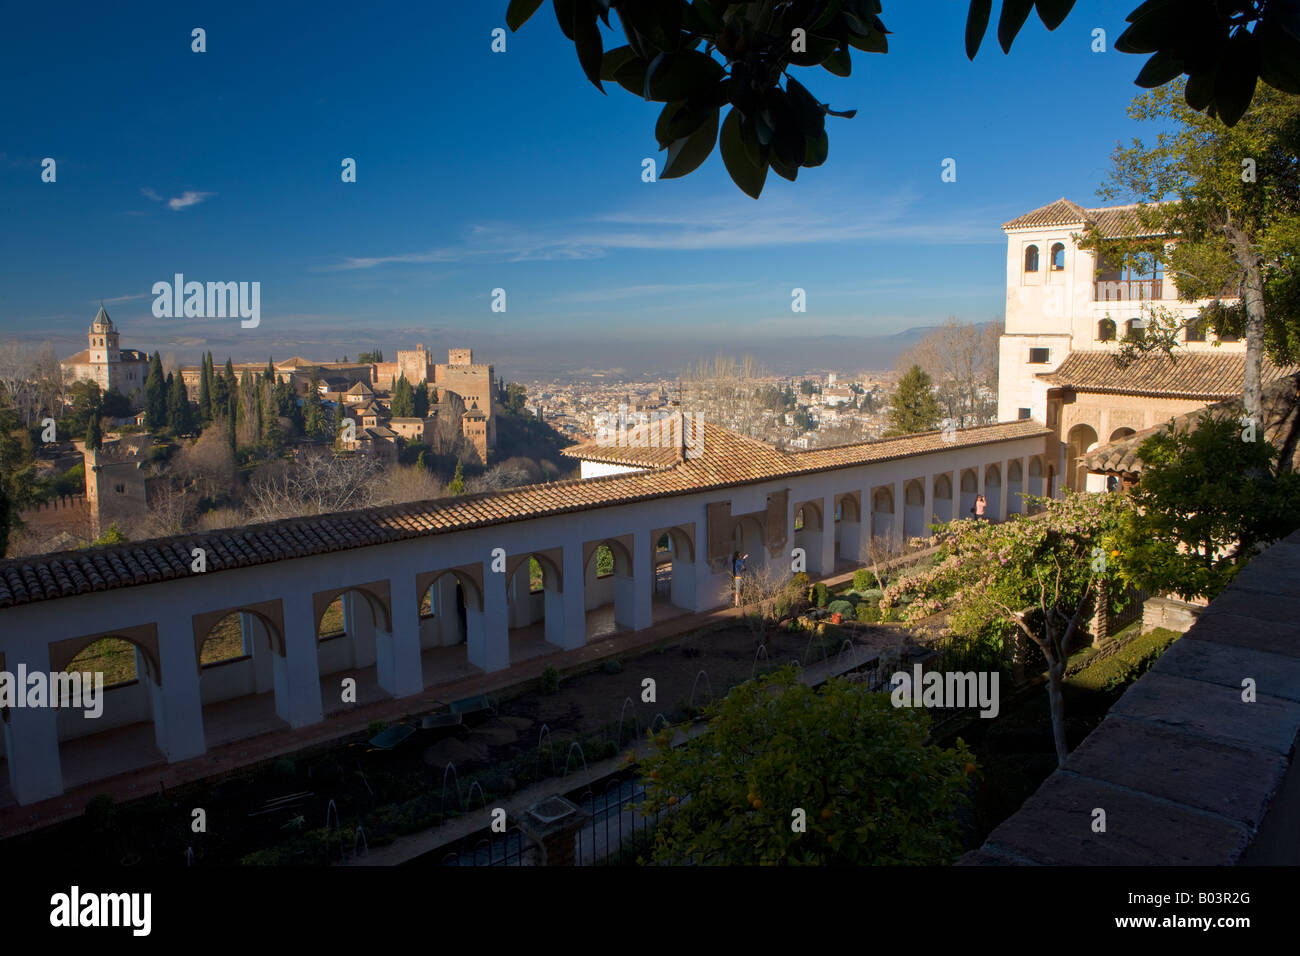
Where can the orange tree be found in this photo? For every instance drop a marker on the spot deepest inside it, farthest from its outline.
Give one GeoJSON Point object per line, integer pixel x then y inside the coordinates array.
{"type": "Point", "coordinates": [787, 774]}
{"type": "Point", "coordinates": [1030, 577]}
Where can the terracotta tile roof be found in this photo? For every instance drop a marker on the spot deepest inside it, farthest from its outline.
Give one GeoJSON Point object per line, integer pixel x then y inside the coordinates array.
{"type": "Point", "coordinates": [1063, 212]}
{"type": "Point", "coordinates": [1111, 221]}
{"type": "Point", "coordinates": [726, 459]}
{"type": "Point", "coordinates": [1205, 375]}
{"type": "Point", "coordinates": [1281, 422]}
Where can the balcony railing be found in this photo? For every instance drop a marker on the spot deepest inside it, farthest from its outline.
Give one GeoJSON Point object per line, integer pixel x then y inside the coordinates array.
{"type": "Point", "coordinates": [1129, 290]}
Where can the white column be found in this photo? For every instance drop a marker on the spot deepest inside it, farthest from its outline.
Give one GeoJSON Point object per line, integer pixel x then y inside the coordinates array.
{"type": "Point", "coordinates": [828, 535]}
{"type": "Point", "coordinates": [643, 579]}
{"type": "Point", "coordinates": [705, 596]}
{"type": "Point", "coordinates": [177, 706]}
{"type": "Point", "coordinates": [1002, 506]}
{"type": "Point", "coordinates": [929, 500]}
{"type": "Point", "coordinates": [957, 511]}
{"type": "Point", "coordinates": [397, 652]}
{"type": "Point", "coordinates": [297, 672]}
{"type": "Point", "coordinates": [257, 644]}
{"type": "Point", "coordinates": [359, 621]}
{"type": "Point", "coordinates": [1021, 507]}
{"type": "Point", "coordinates": [32, 738]}
{"type": "Point", "coordinates": [496, 626]}
{"type": "Point", "coordinates": [900, 513]}
{"type": "Point", "coordinates": [866, 529]}
{"type": "Point", "coordinates": [574, 597]}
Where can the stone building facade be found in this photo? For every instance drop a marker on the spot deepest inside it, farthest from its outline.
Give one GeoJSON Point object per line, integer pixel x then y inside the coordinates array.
{"type": "Point", "coordinates": [107, 364]}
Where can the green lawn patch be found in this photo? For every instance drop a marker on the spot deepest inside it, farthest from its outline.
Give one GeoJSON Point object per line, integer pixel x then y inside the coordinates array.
{"type": "Point", "coordinates": [1127, 664]}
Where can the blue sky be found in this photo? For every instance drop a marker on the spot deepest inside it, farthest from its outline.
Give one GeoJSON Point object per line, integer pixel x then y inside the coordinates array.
{"type": "Point", "coordinates": [478, 170]}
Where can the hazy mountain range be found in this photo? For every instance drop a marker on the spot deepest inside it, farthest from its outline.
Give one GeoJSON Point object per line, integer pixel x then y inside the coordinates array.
{"type": "Point", "coordinates": [530, 356]}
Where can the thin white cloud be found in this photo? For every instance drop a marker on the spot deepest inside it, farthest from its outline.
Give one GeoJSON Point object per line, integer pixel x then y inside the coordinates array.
{"type": "Point", "coordinates": [719, 226]}
{"type": "Point", "coordinates": [188, 198]}
{"type": "Point", "coordinates": [128, 298]}
{"type": "Point", "coordinates": [191, 197]}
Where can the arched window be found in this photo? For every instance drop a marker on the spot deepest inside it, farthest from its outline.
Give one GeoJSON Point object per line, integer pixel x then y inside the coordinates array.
{"type": "Point", "coordinates": [1195, 330]}
{"type": "Point", "coordinates": [1031, 259]}
{"type": "Point", "coordinates": [1106, 330]}
{"type": "Point", "coordinates": [1133, 330]}
{"type": "Point", "coordinates": [1058, 257]}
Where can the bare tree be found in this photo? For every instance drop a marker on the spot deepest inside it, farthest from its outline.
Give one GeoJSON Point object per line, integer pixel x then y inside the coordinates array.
{"type": "Point", "coordinates": [33, 379]}
{"type": "Point", "coordinates": [962, 360]}
{"type": "Point", "coordinates": [504, 475]}
{"type": "Point", "coordinates": [171, 511]}
{"type": "Point", "coordinates": [404, 483]}
{"type": "Point", "coordinates": [320, 483]}
{"type": "Point", "coordinates": [762, 592]}
{"type": "Point", "coordinates": [734, 394]}
{"type": "Point", "coordinates": [207, 465]}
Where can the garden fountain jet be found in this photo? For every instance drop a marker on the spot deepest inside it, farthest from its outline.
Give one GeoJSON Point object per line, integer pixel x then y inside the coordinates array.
{"type": "Point", "coordinates": [581, 756]}
{"type": "Point", "coordinates": [762, 649]}
{"type": "Point", "coordinates": [442, 810]}
{"type": "Point", "coordinates": [635, 720]}
{"type": "Point", "coordinates": [707, 683]}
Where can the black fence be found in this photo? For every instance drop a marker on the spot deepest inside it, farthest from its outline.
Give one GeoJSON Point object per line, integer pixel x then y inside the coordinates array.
{"type": "Point", "coordinates": [616, 832]}
{"type": "Point", "coordinates": [486, 848]}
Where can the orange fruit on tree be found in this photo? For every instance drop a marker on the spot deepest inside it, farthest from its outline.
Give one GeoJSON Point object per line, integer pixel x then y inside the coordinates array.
{"type": "Point", "coordinates": [826, 813]}
{"type": "Point", "coordinates": [672, 801]}
{"type": "Point", "coordinates": [757, 804]}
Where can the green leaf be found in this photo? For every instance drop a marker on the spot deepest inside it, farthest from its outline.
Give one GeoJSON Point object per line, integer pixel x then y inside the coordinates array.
{"type": "Point", "coordinates": [977, 21]}
{"type": "Point", "coordinates": [587, 40]}
{"type": "Point", "coordinates": [1199, 91]}
{"type": "Point", "coordinates": [1234, 82]}
{"type": "Point", "coordinates": [810, 112]}
{"type": "Point", "coordinates": [1054, 12]}
{"type": "Point", "coordinates": [564, 15]}
{"type": "Point", "coordinates": [613, 60]}
{"type": "Point", "coordinates": [1279, 57]}
{"type": "Point", "coordinates": [746, 175]}
{"type": "Point", "coordinates": [818, 49]}
{"type": "Point", "coordinates": [682, 74]}
{"type": "Point", "coordinates": [631, 75]}
{"type": "Point", "coordinates": [1159, 70]}
{"type": "Point", "coordinates": [707, 15]}
{"type": "Point", "coordinates": [839, 62]}
{"type": "Point", "coordinates": [828, 14]}
{"type": "Point", "coordinates": [1014, 15]}
{"type": "Point", "coordinates": [679, 119]}
{"type": "Point", "coordinates": [519, 11]}
{"type": "Point", "coordinates": [817, 149]}
{"type": "Point", "coordinates": [686, 154]}
{"type": "Point", "coordinates": [1154, 24]}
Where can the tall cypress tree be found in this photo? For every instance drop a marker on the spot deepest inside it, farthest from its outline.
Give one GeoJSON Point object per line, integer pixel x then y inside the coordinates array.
{"type": "Point", "coordinates": [421, 400]}
{"type": "Point", "coordinates": [230, 428]}
{"type": "Point", "coordinates": [94, 439]}
{"type": "Point", "coordinates": [155, 395]}
{"type": "Point", "coordinates": [403, 405]}
{"type": "Point", "coordinates": [205, 395]}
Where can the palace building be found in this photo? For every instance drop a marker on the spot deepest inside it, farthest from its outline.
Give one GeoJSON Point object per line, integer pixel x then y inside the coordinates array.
{"type": "Point", "coordinates": [107, 364]}
{"type": "Point", "coordinates": [1066, 316]}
